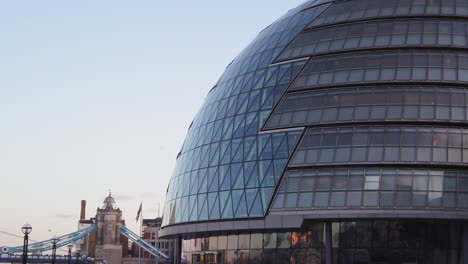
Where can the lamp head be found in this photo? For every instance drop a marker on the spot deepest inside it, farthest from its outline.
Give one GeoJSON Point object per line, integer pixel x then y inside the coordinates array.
{"type": "Point", "coordinates": [26, 229]}
{"type": "Point", "coordinates": [69, 246]}
{"type": "Point", "coordinates": [54, 240]}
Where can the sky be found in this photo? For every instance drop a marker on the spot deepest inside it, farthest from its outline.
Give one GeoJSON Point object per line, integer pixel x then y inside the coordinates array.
{"type": "Point", "coordinates": [98, 95]}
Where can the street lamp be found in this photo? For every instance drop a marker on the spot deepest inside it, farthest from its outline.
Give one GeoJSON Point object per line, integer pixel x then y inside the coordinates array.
{"type": "Point", "coordinates": [26, 229]}
{"type": "Point", "coordinates": [77, 251]}
{"type": "Point", "coordinates": [54, 241]}
{"type": "Point", "coordinates": [69, 246]}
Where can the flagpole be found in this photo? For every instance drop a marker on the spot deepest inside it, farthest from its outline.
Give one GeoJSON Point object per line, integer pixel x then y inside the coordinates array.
{"type": "Point", "coordinates": [141, 233]}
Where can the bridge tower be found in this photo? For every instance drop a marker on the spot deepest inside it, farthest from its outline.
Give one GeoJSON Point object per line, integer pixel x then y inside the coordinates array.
{"type": "Point", "coordinates": [108, 240]}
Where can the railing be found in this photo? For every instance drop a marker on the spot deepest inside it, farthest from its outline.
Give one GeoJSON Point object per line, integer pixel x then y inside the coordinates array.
{"type": "Point", "coordinates": [63, 241]}
{"type": "Point", "coordinates": [44, 259]}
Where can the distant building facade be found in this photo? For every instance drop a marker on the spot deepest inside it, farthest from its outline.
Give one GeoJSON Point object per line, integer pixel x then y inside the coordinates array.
{"type": "Point", "coordinates": [151, 228]}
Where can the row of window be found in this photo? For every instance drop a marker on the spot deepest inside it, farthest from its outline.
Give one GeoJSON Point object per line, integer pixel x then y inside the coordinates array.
{"type": "Point", "coordinates": [400, 65]}
{"type": "Point", "coordinates": [375, 179]}
{"type": "Point", "coordinates": [367, 9]}
{"type": "Point", "coordinates": [352, 241]}
{"type": "Point", "coordinates": [386, 59]}
{"type": "Point", "coordinates": [385, 136]}
{"type": "Point", "coordinates": [360, 155]}
{"type": "Point", "coordinates": [384, 95]}
{"type": "Point", "coordinates": [371, 199]}
{"type": "Point", "coordinates": [378, 34]}
{"type": "Point", "coordinates": [382, 144]}
{"type": "Point", "coordinates": [417, 188]}
{"type": "Point", "coordinates": [370, 104]}
{"type": "Point", "coordinates": [367, 113]}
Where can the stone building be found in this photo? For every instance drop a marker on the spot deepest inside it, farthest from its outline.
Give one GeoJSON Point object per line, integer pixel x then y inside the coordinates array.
{"type": "Point", "coordinates": [110, 245]}
{"type": "Point", "coordinates": [106, 243]}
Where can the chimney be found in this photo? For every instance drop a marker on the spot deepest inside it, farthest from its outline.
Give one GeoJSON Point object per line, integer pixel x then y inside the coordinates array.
{"type": "Point", "coordinates": [83, 210]}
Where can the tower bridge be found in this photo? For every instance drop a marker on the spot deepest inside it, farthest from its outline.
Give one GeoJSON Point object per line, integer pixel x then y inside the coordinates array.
{"type": "Point", "coordinates": [102, 239]}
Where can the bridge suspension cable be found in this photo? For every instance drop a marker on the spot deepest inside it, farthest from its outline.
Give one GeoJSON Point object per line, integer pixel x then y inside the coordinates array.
{"type": "Point", "coordinates": [142, 243]}
{"type": "Point", "coordinates": [63, 241]}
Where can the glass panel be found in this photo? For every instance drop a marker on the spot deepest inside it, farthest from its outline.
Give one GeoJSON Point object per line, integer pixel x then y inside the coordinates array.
{"type": "Point", "coordinates": [283, 240]}
{"type": "Point", "coordinates": [256, 241]}
{"type": "Point", "coordinates": [232, 242]}
{"type": "Point", "coordinates": [269, 240]}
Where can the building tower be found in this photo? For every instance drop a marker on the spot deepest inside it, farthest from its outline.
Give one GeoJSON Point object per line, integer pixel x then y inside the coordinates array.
{"type": "Point", "coordinates": [87, 244]}
{"type": "Point", "coordinates": [108, 241]}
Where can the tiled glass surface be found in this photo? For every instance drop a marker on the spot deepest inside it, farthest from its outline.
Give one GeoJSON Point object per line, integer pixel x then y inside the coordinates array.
{"type": "Point", "coordinates": [373, 187]}
{"type": "Point", "coordinates": [384, 66]}
{"type": "Point", "coordinates": [344, 11]}
{"type": "Point", "coordinates": [311, 4]}
{"type": "Point", "coordinates": [225, 168]}
{"type": "Point", "coordinates": [315, 3]}
{"type": "Point", "coordinates": [385, 241]}
{"type": "Point", "coordinates": [382, 144]}
{"type": "Point", "coordinates": [378, 34]}
{"type": "Point", "coordinates": [362, 104]}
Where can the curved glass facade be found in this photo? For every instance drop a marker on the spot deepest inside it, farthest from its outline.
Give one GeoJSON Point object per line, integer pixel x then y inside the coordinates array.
{"type": "Point", "coordinates": [225, 168]}
{"type": "Point", "coordinates": [339, 135]}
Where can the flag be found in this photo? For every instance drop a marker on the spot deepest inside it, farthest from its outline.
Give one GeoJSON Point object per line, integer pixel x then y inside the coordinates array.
{"type": "Point", "coordinates": [139, 212]}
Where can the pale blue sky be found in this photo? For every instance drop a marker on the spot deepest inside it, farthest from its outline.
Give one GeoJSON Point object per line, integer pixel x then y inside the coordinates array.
{"type": "Point", "coordinates": [99, 94]}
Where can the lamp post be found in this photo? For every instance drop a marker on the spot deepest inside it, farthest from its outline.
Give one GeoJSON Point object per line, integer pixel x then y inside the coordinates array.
{"type": "Point", "coordinates": [54, 241]}
{"type": "Point", "coordinates": [69, 246]}
{"type": "Point", "coordinates": [26, 229]}
{"type": "Point", "coordinates": [77, 251]}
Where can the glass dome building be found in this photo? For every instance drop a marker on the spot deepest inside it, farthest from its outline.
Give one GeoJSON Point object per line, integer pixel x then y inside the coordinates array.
{"type": "Point", "coordinates": [339, 135]}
